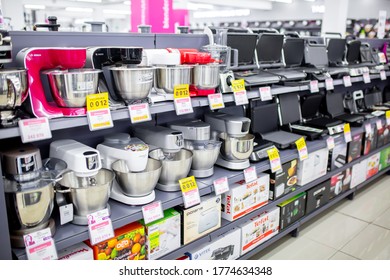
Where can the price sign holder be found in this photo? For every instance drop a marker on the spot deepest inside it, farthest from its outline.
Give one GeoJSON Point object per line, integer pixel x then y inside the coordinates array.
{"type": "Point", "coordinates": [250, 174]}
{"type": "Point", "coordinates": [274, 159]}
{"type": "Point", "coordinates": [239, 92]}
{"type": "Point", "coordinates": [100, 226]}
{"type": "Point", "coordinates": [182, 100]}
{"type": "Point", "coordinates": [66, 213]}
{"type": "Point", "coordinates": [152, 212]}
{"type": "Point", "coordinates": [139, 113]}
{"type": "Point", "coordinates": [265, 93]}
{"type": "Point", "coordinates": [221, 185]}
{"type": "Point", "coordinates": [190, 191]}
{"type": "Point", "coordinates": [382, 74]}
{"type": "Point", "coordinates": [347, 81]}
{"type": "Point", "coordinates": [329, 84]}
{"type": "Point", "coordinates": [379, 124]}
{"type": "Point", "coordinates": [302, 148]}
{"type": "Point", "coordinates": [40, 245]}
{"type": "Point", "coordinates": [366, 78]}
{"type": "Point", "coordinates": [314, 86]}
{"type": "Point", "coordinates": [216, 101]}
{"type": "Point", "coordinates": [98, 112]}
{"type": "Point", "coordinates": [34, 129]}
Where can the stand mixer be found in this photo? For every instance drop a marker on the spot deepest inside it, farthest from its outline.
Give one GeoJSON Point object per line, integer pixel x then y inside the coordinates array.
{"type": "Point", "coordinates": [86, 185]}
{"type": "Point", "coordinates": [237, 143]}
{"type": "Point", "coordinates": [196, 135]}
{"type": "Point", "coordinates": [120, 149]}
{"type": "Point", "coordinates": [29, 191]}
{"type": "Point", "coordinates": [176, 161]}
{"type": "Point", "coordinates": [69, 84]}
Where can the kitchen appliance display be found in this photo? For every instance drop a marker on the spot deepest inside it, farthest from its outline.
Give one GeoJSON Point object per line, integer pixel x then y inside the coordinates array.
{"type": "Point", "coordinates": [292, 210]}
{"type": "Point", "coordinates": [237, 143]}
{"type": "Point", "coordinates": [69, 82]}
{"type": "Point", "coordinates": [283, 181]}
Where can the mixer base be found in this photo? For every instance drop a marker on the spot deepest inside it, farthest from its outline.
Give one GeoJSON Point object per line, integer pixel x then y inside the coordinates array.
{"type": "Point", "coordinates": [233, 165]}
{"type": "Point", "coordinates": [132, 200]}
{"type": "Point", "coordinates": [83, 220]}
{"type": "Point", "coordinates": [16, 237]}
{"type": "Point", "coordinates": [168, 188]}
{"type": "Point", "coordinates": [202, 173]}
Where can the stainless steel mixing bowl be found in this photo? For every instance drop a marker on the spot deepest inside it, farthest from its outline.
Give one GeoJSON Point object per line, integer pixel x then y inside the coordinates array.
{"type": "Point", "coordinates": [132, 83]}
{"type": "Point", "coordinates": [71, 87]}
{"type": "Point", "coordinates": [137, 183]}
{"type": "Point", "coordinates": [205, 76]}
{"type": "Point", "coordinates": [169, 76]}
{"type": "Point", "coordinates": [236, 148]}
{"type": "Point", "coordinates": [13, 88]}
{"type": "Point", "coordinates": [175, 166]}
{"type": "Point", "coordinates": [88, 194]}
{"type": "Point", "coordinates": [205, 153]}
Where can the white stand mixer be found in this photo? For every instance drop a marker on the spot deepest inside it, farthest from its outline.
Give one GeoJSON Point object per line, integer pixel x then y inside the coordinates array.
{"type": "Point", "coordinates": [114, 148]}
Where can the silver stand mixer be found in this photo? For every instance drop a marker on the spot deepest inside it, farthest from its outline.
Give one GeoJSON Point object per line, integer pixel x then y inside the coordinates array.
{"type": "Point", "coordinates": [237, 143]}
{"type": "Point", "coordinates": [197, 139]}
{"type": "Point", "coordinates": [86, 185]}
{"type": "Point", "coordinates": [128, 158]}
{"type": "Point", "coordinates": [176, 161]}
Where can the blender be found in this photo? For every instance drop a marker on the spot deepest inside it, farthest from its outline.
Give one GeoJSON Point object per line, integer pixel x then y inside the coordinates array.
{"type": "Point", "coordinates": [136, 174]}
{"type": "Point", "coordinates": [196, 135]}
{"type": "Point", "coordinates": [29, 191]}
{"type": "Point", "coordinates": [86, 184]}
{"type": "Point", "coordinates": [237, 143]}
{"type": "Point", "coordinates": [68, 82]}
{"type": "Point", "coordinates": [169, 150]}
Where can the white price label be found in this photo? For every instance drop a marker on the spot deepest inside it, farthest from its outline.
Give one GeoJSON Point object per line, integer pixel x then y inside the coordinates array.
{"type": "Point", "coordinates": [99, 119]}
{"type": "Point", "coordinates": [40, 245]}
{"type": "Point", "coordinates": [314, 86]}
{"type": "Point", "coordinates": [368, 128]}
{"type": "Point", "coordinates": [221, 185]}
{"type": "Point", "coordinates": [347, 81]}
{"type": "Point", "coordinates": [152, 212]}
{"type": "Point", "coordinates": [216, 101]}
{"type": "Point", "coordinates": [240, 97]}
{"type": "Point", "coordinates": [139, 113]}
{"type": "Point", "coordinates": [383, 75]}
{"type": "Point", "coordinates": [183, 106]}
{"type": "Point", "coordinates": [330, 142]}
{"type": "Point", "coordinates": [382, 57]}
{"type": "Point", "coordinates": [379, 124]}
{"type": "Point", "coordinates": [366, 78]}
{"type": "Point", "coordinates": [329, 84]}
{"type": "Point", "coordinates": [265, 93]}
{"type": "Point", "coordinates": [34, 129]}
{"type": "Point", "coordinates": [250, 174]}
{"type": "Point", "coordinates": [66, 213]}
{"type": "Point", "coordinates": [190, 191]}
{"type": "Point", "coordinates": [100, 226]}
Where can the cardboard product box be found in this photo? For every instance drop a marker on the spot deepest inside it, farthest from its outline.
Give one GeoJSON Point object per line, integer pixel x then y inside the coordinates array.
{"type": "Point", "coordinates": [201, 219]}
{"type": "Point", "coordinates": [314, 167]}
{"type": "Point", "coordinates": [359, 171]}
{"type": "Point", "coordinates": [225, 247]}
{"type": "Point", "coordinates": [370, 140]}
{"type": "Point", "coordinates": [383, 135]}
{"type": "Point", "coordinates": [340, 182]}
{"type": "Point", "coordinates": [317, 196]}
{"type": "Point", "coordinates": [292, 210]}
{"type": "Point", "coordinates": [163, 234]}
{"type": "Point", "coordinates": [80, 251]}
{"type": "Point", "coordinates": [259, 229]}
{"type": "Point", "coordinates": [373, 165]}
{"type": "Point", "coordinates": [384, 158]}
{"type": "Point", "coordinates": [129, 243]}
{"type": "Point", "coordinates": [355, 147]}
{"type": "Point", "coordinates": [338, 155]}
{"type": "Point", "coordinates": [243, 198]}
{"type": "Point", "coordinates": [284, 181]}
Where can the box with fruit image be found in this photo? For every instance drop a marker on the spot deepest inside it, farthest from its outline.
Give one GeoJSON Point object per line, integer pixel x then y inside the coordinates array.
{"type": "Point", "coordinates": [163, 234]}
{"type": "Point", "coordinates": [372, 165]}
{"type": "Point", "coordinates": [243, 198]}
{"type": "Point", "coordinates": [283, 181]}
{"type": "Point", "coordinates": [384, 161]}
{"type": "Point", "coordinates": [129, 243]}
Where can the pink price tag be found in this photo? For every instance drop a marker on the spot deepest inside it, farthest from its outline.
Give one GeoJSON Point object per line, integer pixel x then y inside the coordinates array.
{"type": "Point", "coordinates": [216, 101]}
{"type": "Point", "coordinates": [366, 78]}
{"type": "Point", "coordinates": [330, 143]}
{"type": "Point", "coordinates": [347, 81]}
{"type": "Point", "coordinates": [265, 93]}
{"type": "Point", "coordinates": [314, 86]}
{"type": "Point", "coordinates": [100, 226]}
{"type": "Point", "coordinates": [40, 245]}
{"type": "Point", "coordinates": [139, 113]}
{"type": "Point", "coordinates": [99, 119]}
{"type": "Point", "coordinates": [329, 84]}
{"type": "Point", "coordinates": [221, 185]}
{"type": "Point", "coordinates": [240, 97]}
{"type": "Point", "coordinates": [383, 75]}
{"type": "Point", "coordinates": [183, 106]}
{"type": "Point", "coordinates": [250, 174]}
{"type": "Point", "coordinates": [152, 212]}
{"type": "Point", "coordinates": [34, 129]}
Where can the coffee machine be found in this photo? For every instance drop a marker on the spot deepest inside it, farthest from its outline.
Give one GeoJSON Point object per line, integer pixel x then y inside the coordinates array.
{"type": "Point", "coordinates": [237, 143]}
{"type": "Point", "coordinates": [196, 135]}
{"type": "Point", "coordinates": [29, 191]}
{"type": "Point", "coordinates": [120, 149]}
{"type": "Point", "coordinates": [86, 184]}
{"type": "Point", "coordinates": [69, 81]}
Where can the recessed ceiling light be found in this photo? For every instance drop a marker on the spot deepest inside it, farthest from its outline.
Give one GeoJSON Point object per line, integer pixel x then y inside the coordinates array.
{"type": "Point", "coordinates": [78, 9]}
{"type": "Point", "coordinates": [35, 7]}
{"type": "Point", "coordinates": [116, 12]}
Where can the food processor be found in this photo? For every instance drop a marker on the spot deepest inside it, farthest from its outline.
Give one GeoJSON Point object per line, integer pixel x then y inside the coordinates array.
{"type": "Point", "coordinates": [122, 77]}
{"type": "Point", "coordinates": [86, 184]}
{"type": "Point", "coordinates": [69, 82]}
{"type": "Point", "coordinates": [237, 143]}
{"type": "Point", "coordinates": [196, 135]}
{"type": "Point", "coordinates": [169, 149]}
{"type": "Point", "coordinates": [29, 191]}
{"type": "Point", "coordinates": [136, 174]}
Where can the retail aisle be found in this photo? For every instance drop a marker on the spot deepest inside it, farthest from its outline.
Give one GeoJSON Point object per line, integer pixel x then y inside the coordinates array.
{"type": "Point", "coordinates": [357, 229]}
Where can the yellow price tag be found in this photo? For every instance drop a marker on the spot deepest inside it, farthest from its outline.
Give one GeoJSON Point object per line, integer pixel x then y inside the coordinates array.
{"type": "Point", "coordinates": [274, 159]}
{"type": "Point", "coordinates": [347, 128]}
{"type": "Point", "coordinates": [301, 144]}
{"type": "Point", "coordinates": [238, 85]}
{"type": "Point", "coordinates": [388, 114]}
{"type": "Point", "coordinates": [97, 101]}
{"type": "Point", "coordinates": [181, 91]}
{"type": "Point", "coordinates": [273, 154]}
{"type": "Point", "coordinates": [188, 184]}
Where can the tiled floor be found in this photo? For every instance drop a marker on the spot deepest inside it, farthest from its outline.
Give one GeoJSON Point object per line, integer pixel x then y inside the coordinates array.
{"type": "Point", "coordinates": [357, 229]}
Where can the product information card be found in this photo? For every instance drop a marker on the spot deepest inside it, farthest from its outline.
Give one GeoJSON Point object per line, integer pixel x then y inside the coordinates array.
{"type": "Point", "coordinates": [190, 191]}
{"type": "Point", "coordinates": [100, 226]}
{"type": "Point", "coordinates": [34, 129]}
{"type": "Point", "coordinates": [40, 245]}
{"type": "Point", "coordinates": [152, 212]}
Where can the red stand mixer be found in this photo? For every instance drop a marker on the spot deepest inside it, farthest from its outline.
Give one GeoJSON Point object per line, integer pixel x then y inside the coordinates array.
{"type": "Point", "coordinates": [69, 84]}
